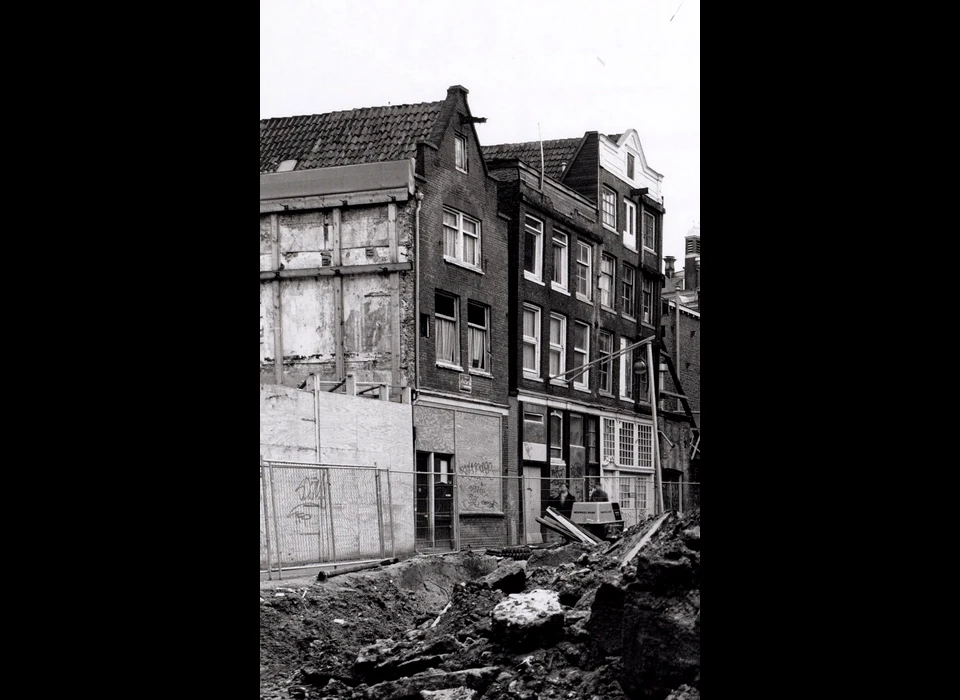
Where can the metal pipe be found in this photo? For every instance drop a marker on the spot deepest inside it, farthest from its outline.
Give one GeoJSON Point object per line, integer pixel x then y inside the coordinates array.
{"type": "Point", "coordinates": [416, 293]}
{"type": "Point", "coordinates": [276, 526]}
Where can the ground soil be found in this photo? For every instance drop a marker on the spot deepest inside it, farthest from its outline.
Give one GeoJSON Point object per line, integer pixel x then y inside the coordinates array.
{"type": "Point", "coordinates": [387, 634]}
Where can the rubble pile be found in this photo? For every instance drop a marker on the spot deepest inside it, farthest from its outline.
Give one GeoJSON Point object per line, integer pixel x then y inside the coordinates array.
{"type": "Point", "coordinates": [576, 621]}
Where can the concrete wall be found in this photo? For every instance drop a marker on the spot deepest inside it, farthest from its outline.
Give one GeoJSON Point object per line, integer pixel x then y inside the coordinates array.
{"type": "Point", "coordinates": [313, 519]}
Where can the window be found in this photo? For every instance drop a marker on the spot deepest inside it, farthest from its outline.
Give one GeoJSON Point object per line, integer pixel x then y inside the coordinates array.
{"type": "Point", "coordinates": [530, 417]}
{"type": "Point", "coordinates": [559, 260]}
{"type": "Point", "coordinates": [556, 436]}
{"type": "Point", "coordinates": [448, 333]}
{"type": "Point", "coordinates": [630, 228]}
{"type": "Point", "coordinates": [558, 343]}
{"type": "Point", "coordinates": [631, 166]}
{"type": "Point", "coordinates": [609, 207]}
{"type": "Point", "coordinates": [533, 249]}
{"type": "Point", "coordinates": [461, 238]}
{"type": "Point", "coordinates": [605, 367]}
{"type": "Point", "coordinates": [646, 312]}
{"type": "Point", "coordinates": [649, 231]}
{"type": "Point", "coordinates": [607, 267]}
{"type": "Point", "coordinates": [584, 270]}
{"type": "Point", "coordinates": [531, 340]}
{"type": "Point", "coordinates": [576, 431]}
{"type": "Point", "coordinates": [645, 445]}
{"type": "Point", "coordinates": [626, 371]}
{"type": "Point", "coordinates": [581, 353]}
{"type": "Point", "coordinates": [461, 153]}
{"type": "Point", "coordinates": [627, 444]}
{"type": "Point", "coordinates": [478, 336]}
{"type": "Point", "coordinates": [609, 440]}
{"type": "Point", "coordinates": [628, 290]}
{"type": "Point", "coordinates": [592, 443]}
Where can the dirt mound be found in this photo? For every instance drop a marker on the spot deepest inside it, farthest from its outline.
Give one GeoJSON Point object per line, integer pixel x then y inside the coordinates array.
{"type": "Point", "coordinates": [424, 628]}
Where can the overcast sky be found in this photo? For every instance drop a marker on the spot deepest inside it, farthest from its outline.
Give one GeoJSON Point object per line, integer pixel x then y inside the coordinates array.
{"type": "Point", "coordinates": [553, 67]}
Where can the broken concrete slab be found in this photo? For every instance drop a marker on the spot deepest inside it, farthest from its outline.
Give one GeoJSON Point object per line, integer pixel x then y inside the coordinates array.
{"type": "Point", "coordinates": [526, 620]}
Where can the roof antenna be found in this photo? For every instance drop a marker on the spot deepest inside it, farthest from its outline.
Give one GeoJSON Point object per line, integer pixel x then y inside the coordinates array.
{"type": "Point", "coordinates": [678, 9]}
{"type": "Point", "coordinates": [540, 134]}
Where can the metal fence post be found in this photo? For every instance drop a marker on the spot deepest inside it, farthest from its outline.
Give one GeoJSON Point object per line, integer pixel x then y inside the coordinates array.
{"type": "Point", "coordinates": [376, 476]}
{"type": "Point", "coordinates": [276, 526]}
{"type": "Point", "coordinates": [393, 533]}
{"type": "Point", "coordinates": [333, 537]}
{"type": "Point", "coordinates": [266, 519]}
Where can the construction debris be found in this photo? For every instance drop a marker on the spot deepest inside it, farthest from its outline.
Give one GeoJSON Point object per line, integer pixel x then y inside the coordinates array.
{"type": "Point", "coordinates": [575, 621]}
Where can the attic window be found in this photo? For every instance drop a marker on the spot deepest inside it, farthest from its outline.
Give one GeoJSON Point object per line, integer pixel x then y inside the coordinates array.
{"type": "Point", "coordinates": [287, 166]}
{"type": "Point", "coordinates": [461, 154]}
{"type": "Point", "coordinates": [631, 166]}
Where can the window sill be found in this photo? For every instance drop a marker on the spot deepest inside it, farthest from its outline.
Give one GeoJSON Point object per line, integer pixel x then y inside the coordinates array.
{"type": "Point", "coordinates": [558, 382]}
{"type": "Point", "coordinates": [531, 278]}
{"type": "Point", "coordinates": [611, 228]}
{"type": "Point", "coordinates": [628, 317]}
{"type": "Point", "coordinates": [533, 377]}
{"type": "Point", "coordinates": [452, 368]}
{"type": "Point", "coordinates": [629, 247]}
{"type": "Point", "coordinates": [608, 309]}
{"type": "Point", "coordinates": [461, 170]}
{"type": "Point", "coordinates": [646, 324]}
{"type": "Point", "coordinates": [557, 288]}
{"type": "Point", "coordinates": [649, 250]}
{"type": "Point", "coordinates": [461, 263]}
{"type": "Point", "coordinates": [607, 394]}
{"type": "Point", "coordinates": [585, 300]}
{"type": "Point", "coordinates": [481, 373]}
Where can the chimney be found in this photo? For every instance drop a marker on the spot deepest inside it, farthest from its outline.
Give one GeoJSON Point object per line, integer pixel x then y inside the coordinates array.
{"type": "Point", "coordinates": [691, 264]}
{"type": "Point", "coordinates": [669, 261]}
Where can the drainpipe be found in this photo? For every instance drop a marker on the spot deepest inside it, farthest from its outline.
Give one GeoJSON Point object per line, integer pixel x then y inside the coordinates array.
{"type": "Point", "coordinates": [416, 295]}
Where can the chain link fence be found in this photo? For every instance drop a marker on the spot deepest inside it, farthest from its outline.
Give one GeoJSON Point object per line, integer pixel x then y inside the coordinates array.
{"type": "Point", "coordinates": [313, 514]}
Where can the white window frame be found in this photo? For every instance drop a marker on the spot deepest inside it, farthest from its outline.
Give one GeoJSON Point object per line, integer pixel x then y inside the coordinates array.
{"type": "Point", "coordinates": [608, 389]}
{"type": "Point", "coordinates": [608, 197]}
{"type": "Point", "coordinates": [649, 221]}
{"type": "Point", "coordinates": [531, 340]}
{"type": "Point", "coordinates": [559, 446]}
{"type": "Point", "coordinates": [626, 371]}
{"type": "Point", "coordinates": [558, 349]}
{"type": "Point", "coordinates": [630, 225]}
{"type": "Point", "coordinates": [628, 304]}
{"type": "Point", "coordinates": [560, 241]}
{"type": "Point", "coordinates": [581, 356]}
{"type": "Point", "coordinates": [646, 301]}
{"type": "Point", "coordinates": [455, 320]}
{"type": "Point", "coordinates": [487, 357]}
{"type": "Point", "coordinates": [461, 160]}
{"type": "Point", "coordinates": [537, 274]}
{"type": "Point", "coordinates": [588, 267]}
{"type": "Point", "coordinates": [458, 231]}
{"type": "Point", "coordinates": [611, 290]}
{"type": "Point", "coordinates": [629, 448]}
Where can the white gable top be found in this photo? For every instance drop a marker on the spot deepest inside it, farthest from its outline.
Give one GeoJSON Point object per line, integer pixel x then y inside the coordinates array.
{"type": "Point", "coordinates": [613, 158]}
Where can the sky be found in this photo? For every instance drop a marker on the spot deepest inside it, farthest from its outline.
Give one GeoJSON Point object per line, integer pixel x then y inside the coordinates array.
{"type": "Point", "coordinates": [547, 69]}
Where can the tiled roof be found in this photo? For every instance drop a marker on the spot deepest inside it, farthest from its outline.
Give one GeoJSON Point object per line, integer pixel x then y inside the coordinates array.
{"type": "Point", "coordinates": [367, 135]}
{"type": "Point", "coordinates": [555, 154]}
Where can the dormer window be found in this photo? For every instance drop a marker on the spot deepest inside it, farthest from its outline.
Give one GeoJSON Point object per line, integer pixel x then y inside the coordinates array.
{"type": "Point", "coordinates": [287, 166]}
{"type": "Point", "coordinates": [631, 166]}
{"type": "Point", "coordinates": [461, 153]}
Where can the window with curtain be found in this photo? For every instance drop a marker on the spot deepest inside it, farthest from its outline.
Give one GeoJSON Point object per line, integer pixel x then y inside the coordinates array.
{"type": "Point", "coordinates": [448, 336]}
{"type": "Point", "coordinates": [478, 333]}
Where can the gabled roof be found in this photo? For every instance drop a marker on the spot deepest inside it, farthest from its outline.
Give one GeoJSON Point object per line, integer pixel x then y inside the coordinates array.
{"type": "Point", "coordinates": [367, 135]}
{"type": "Point", "coordinates": [555, 154]}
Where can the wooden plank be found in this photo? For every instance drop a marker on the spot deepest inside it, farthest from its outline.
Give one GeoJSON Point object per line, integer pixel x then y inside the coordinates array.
{"type": "Point", "coordinates": [553, 525]}
{"type": "Point", "coordinates": [583, 535]}
{"type": "Point", "coordinates": [277, 317]}
{"type": "Point", "coordinates": [646, 538]}
{"type": "Point", "coordinates": [352, 199]}
{"type": "Point", "coordinates": [336, 271]}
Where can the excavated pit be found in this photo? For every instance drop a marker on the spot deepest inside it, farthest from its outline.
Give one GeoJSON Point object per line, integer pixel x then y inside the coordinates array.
{"type": "Point", "coordinates": [571, 621]}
